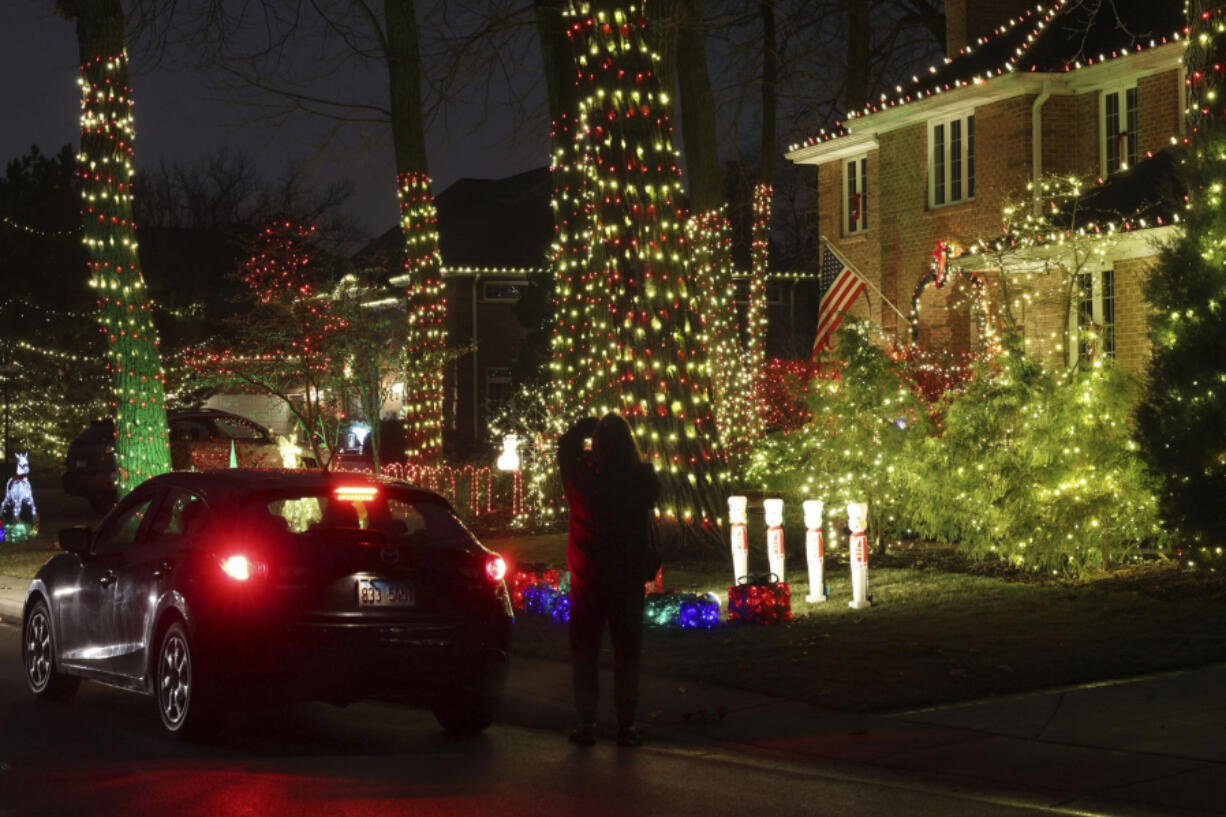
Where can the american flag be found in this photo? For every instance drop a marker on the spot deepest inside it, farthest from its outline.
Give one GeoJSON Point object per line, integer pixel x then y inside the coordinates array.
{"type": "Point", "coordinates": [840, 286]}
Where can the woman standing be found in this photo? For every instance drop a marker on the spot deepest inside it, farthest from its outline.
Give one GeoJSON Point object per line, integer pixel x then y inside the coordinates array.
{"type": "Point", "coordinates": [611, 492]}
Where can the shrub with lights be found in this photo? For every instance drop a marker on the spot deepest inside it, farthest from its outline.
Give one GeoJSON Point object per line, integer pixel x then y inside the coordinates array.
{"type": "Point", "coordinates": [1181, 418]}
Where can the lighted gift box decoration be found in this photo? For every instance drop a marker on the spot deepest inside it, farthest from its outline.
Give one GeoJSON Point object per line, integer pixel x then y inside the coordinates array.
{"type": "Point", "coordinates": [529, 575]}
{"type": "Point", "coordinates": [774, 537]}
{"type": "Point", "coordinates": [815, 551]}
{"type": "Point", "coordinates": [738, 519]}
{"type": "Point", "coordinates": [688, 611]}
{"type": "Point", "coordinates": [857, 521]}
{"type": "Point", "coordinates": [545, 600]}
{"type": "Point", "coordinates": [760, 600]}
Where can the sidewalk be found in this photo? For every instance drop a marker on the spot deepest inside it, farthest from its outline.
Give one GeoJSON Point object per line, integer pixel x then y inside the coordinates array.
{"type": "Point", "coordinates": [1147, 746]}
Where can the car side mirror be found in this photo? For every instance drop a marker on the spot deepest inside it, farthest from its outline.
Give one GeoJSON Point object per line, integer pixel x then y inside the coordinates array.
{"type": "Point", "coordinates": [76, 539]}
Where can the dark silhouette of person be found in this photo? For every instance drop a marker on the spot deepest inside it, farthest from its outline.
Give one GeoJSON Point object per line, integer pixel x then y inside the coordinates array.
{"type": "Point", "coordinates": [611, 491]}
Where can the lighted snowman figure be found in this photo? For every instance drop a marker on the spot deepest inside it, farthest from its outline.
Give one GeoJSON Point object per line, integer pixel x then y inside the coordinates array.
{"type": "Point", "coordinates": [508, 460]}
{"type": "Point", "coordinates": [857, 521]}
{"type": "Point", "coordinates": [738, 518]}
{"type": "Point", "coordinates": [774, 537]}
{"type": "Point", "coordinates": [815, 550]}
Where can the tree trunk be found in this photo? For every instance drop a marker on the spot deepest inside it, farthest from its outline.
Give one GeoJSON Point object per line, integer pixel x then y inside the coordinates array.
{"type": "Point", "coordinates": [658, 365]}
{"type": "Point", "coordinates": [770, 73]}
{"type": "Point", "coordinates": [141, 446]}
{"type": "Point", "coordinates": [423, 397]}
{"type": "Point", "coordinates": [697, 111]}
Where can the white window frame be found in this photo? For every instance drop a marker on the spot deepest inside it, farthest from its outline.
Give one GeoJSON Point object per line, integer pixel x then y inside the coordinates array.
{"type": "Point", "coordinates": [860, 225]}
{"type": "Point", "coordinates": [1121, 93]}
{"type": "Point", "coordinates": [966, 159]}
{"type": "Point", "coordinates": [1103, 313]}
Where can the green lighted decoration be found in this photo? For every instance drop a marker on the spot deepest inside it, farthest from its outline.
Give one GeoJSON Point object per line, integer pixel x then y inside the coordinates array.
{"type": "Point", "coordinates": [141, 445]}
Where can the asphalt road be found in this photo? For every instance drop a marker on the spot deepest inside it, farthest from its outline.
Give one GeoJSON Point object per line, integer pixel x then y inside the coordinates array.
{"type": "Point", "coordinates": [104, 753]}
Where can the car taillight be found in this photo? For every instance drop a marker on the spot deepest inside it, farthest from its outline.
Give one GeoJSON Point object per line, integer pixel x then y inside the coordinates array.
{"type": "Point", "coordinates": [238, 568]}
{"type": "Point", "coordinates": [495, 568]}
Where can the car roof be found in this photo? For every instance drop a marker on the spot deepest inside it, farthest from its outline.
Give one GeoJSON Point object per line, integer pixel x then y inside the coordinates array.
{"type": "Point", "coordinates": [227, 484]}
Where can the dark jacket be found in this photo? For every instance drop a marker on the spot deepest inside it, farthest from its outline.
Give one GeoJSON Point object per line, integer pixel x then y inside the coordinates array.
{"type": "Point", "coordinates": [610, 515]}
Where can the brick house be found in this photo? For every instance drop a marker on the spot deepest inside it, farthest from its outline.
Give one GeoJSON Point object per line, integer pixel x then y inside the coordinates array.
{"type": "Point", "coordinates": [1061, 88]}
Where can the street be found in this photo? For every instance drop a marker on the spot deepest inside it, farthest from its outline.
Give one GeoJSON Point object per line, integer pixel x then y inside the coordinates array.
{"type": "Point", "coordinates": [104, 753]}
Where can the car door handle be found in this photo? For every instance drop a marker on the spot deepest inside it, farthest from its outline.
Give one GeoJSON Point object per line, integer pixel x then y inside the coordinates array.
{"type": "Point", "coordinates": [163, 569]}
{"type": "Point", "coordinates": [107, 578]}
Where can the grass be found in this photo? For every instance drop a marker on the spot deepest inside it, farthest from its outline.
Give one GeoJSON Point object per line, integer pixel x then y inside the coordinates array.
{"type": "Point", "coordinates": [23, 559]}
{"type": "Point", "coordinates": [940, 630]}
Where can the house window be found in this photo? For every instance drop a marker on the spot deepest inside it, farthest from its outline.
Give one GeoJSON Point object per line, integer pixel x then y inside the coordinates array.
{"type": "Point", "coordinates": [507, 292]}
{"type": "Point", "coordinates": [1093, 318]}
{"type": "Point", "coordinates": [1118, 111]}
{"type": "Point", "coordinates": [951, 160]}
{"type": "Point", "coordinates": [497, 390]}
{"type": "Point", "coordinates": [855, 195]}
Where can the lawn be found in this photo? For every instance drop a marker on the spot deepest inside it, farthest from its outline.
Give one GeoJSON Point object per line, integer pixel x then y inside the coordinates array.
{"type": "Point", "coordinates": [940, 630]}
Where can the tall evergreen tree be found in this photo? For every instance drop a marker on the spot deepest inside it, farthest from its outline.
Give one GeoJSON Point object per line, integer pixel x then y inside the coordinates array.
{"type": "Point", "coordinates": [657, 367]}
{"type": "Point", "coordinates": [137, 380]}
{"type": "Point", "coordinates": [1184, 410]}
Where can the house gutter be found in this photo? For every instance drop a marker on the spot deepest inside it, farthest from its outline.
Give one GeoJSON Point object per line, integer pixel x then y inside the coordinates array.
{"type": "Point", "coordinates": [1036, 142]}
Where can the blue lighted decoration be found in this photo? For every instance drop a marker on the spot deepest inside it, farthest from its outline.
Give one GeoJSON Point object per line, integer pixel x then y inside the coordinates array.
{"type": "Point", "coordinates": [689, 611]}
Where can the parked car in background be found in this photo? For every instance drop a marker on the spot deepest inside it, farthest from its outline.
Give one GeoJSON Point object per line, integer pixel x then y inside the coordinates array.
{"type": "Point", "coordinates": [236, 587]}
{"type": "Point", "coordinates": [200, 439]}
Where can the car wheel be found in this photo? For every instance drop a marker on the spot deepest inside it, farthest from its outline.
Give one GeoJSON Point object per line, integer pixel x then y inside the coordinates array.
{"type": "Point", "coordinates": [465, 715]}
{"type": "Point", "coordinates": [38, 654]}
{"type": "Point", "coordinates": [181, 700]}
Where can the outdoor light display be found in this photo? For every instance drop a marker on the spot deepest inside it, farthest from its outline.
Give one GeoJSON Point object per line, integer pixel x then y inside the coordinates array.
{"type": "Point", "coordinates": [774, 537]}
{"type": "Point", "coordinates": [18, 496]}
{"type": "Point", "coordinates": [760, 600]}
{"type": "Point", "coordinates": [423, 396]}
{"type": "Point", "coordinates": [631, 343]}
{"type": "Point", "coordinates": [857, 521]}
{"type": "Point", "coordinates": [534, 575]}
{"type": "Point", "coordinates": [815, 551]}
{"type": "Point", "coordinates": [133, 358]}
{"type": "Point", "coordinates": [508, 460]}
{"type": "Point", "coordinates": [688, 611]}
{"type": "Point", "coordinates": [738, 520]}
{"type": "Point", "coordinates": [543, 600]}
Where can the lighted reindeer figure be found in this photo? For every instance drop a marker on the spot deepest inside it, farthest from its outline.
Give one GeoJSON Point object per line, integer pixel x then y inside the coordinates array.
{"type": "Point", "coordinates": [17, 493]}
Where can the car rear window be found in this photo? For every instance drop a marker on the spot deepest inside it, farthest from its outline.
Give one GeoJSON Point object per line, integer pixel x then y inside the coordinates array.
{"type": "Point", "coordinates": [403, 517]}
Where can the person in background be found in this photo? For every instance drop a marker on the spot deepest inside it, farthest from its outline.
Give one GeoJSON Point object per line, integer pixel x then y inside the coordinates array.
{"type": "Point", "coordinates": [611, 491]}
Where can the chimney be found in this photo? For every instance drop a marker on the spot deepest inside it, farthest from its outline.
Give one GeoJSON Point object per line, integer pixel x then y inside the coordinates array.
{"type": "Point", "coordinates": [968, 20]}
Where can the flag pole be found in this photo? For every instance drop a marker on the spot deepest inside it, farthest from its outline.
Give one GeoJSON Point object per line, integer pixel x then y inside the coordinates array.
{"type": "Point", "coordinates": [827, 242]}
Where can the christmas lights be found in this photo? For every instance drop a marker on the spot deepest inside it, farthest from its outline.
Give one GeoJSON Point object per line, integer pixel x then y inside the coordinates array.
{"type": "Point", "coordinates": [759, 600]}
{"type": "Point", "coordinates": [815, 552]}
{"type": "Point", "coordinates": [105, 162]}
{"type": "Point", "coordinates": [687, 611]}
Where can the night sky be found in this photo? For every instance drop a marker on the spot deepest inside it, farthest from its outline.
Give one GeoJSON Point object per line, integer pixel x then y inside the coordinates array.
{"type": "Point", "coordinates": [179, 117]}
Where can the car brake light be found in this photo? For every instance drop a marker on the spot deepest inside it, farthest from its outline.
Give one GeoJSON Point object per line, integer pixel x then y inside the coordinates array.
{"type": "Point", "coordinates": [237, 568]}
{"type": "Point", "coordinates": [355, 493]}
{"type": "Point", "coordinates": [495, 568]}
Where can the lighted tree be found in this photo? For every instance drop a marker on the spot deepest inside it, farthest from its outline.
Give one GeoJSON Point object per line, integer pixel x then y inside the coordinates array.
{"type": "Point", "coordinates": [1184, 409]}
{"type": "Point", "coordinates": [657, 366]}
{"type": "Point", "coordinates": [141, 445]}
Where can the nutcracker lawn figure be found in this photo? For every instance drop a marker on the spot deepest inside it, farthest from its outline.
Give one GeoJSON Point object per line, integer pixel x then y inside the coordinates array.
{"type": "Point", "coordinates": [857, 521]}
{"type": "Point", "coordinates": [815, 551]}
{"type": "Point", "coordinates": [774, 537]}
{"type": "Point", "coordinates": [738, 519]}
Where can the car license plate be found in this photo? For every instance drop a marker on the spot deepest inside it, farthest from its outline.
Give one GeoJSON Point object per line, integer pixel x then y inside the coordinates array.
{"type": "Point", "coordinates": [380, 593]}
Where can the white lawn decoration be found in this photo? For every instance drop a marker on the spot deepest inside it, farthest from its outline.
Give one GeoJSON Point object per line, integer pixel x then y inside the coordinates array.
{"type": "Point", "coordinates": [815, 551]}
{"type": "Point", "coordinates": [774, 537]}
{"type": "Point", "coordinates": [17, 493]}
{"type": "Point", "coordinates": [857, 520]}
{"type": "Point", "coordinates": [738, 518]}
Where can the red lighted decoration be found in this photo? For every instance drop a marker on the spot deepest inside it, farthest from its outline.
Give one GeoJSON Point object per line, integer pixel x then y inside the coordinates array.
{"type": "Point", "coordinates": [760, 601]}
{"type": "Point", "coordinates": [532, 575]}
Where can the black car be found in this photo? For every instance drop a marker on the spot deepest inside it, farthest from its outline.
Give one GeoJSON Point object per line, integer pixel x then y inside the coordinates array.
{"type": "Point", "coordinates": [199, 438]}
{"type": "Point", "coordinates": [208, 590]}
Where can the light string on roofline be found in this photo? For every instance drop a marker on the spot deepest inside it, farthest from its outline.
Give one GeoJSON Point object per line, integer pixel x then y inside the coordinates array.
{"type": "Point", "coordinates": [841, 128]}
{"type": "Point", "coordinates": [25, 228]}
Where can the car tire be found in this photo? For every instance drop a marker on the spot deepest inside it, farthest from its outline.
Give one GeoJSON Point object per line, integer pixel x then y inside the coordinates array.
{"type": "Point", "coordinates": [43, 675]}
{"type": "Point", "coordinates": [465, 716]}
{"type": "Point", "coordinates": [183, 702]}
